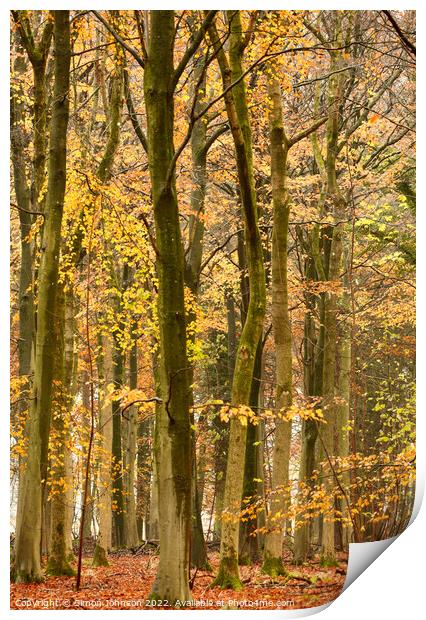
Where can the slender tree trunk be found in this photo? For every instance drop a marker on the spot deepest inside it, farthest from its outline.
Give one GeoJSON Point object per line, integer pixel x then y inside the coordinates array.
{"type": "Point", "coordinates": [221, 427]}
{"type": "Point", "coordinates": [131, 533]}
{"type": "Point", "coordinates": [70, 385]}
{"type": "Point", "coordinates": [108, 472]}
{"type": "Point", "coordinates": [309, 428]}
{"type": "Point", "coordinates": [27, 552]}
{"type": "Point", "coordinates": [18, 141]}
{"type": "Point", "coordinates": [144, 479]}
{"type": "Point", "coordinates": [58, 563]}
{"type": "Point", "coordinates": [192, 274]}
{"type": "Point", "coordinates": [173, 450]}
{"type": "Point", "coordinates": [88, 517]}
{"type": "Point", "coordinates": [343, 408]}
{"type": "Point", "coordinates": [103, 541]}
{"type": "Point", "coordinates": [22, 193]}
{"type": "Point", "coordinates": [273, 564]}
{"type": "Point", "coordinates": [330, 310]}
{"type": "Point", "coordinates": [236, 107]}
{"type": "Point", "coordinates": [118, 506]}
{"type": "Point", "coordinates": [248, 540]}
{"type": "Point", "coordinates": [154, 525]}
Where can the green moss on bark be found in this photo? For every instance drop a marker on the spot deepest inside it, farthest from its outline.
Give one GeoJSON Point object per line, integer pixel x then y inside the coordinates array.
{"type": "Point", "coordinates": [228, 576]}
{"type": "Point", "coordinates": [61, 568]}
{"type": "Point", "coordinates": [328, 561]}
{"type": "Point", "coordinates": [100, 556]}
{"type": "Point", "coordinates": [226, 581]}
{"type": "Point", "coordinates": [273, 567]}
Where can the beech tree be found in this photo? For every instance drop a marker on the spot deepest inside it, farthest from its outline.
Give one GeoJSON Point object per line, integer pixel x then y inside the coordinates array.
{"type": "Point", "coordinates": [27, 546]}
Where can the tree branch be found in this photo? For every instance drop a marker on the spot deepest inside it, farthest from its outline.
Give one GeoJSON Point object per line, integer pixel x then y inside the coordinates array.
{"type": "Point", "coordinates": [190, 51]}
{"type": "Point", "coordinates": [119, 39]}
{"type": "Point", "coordinates": [409, 45]}
{"type": "Point", "coordinates": [132, 113]}
{"type": "Point", "coordinates": [306, 132]}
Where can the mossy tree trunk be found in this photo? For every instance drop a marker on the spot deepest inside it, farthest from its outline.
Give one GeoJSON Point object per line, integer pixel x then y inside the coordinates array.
{"type": "Point", "coordinates": [237, 111]}
{"type": "Point", "coordinates": [27, 184]}
{"type": "Point", "coordinates": [280, 145]}
{"type": "Point", "coordinates": [248, 538]}
{"type": "Point", "coordinates": [19, 141]}
{"type": "Point", "coordinates": [27, 551]}
{"type": "Point", "coordinates": [173, 445]}
{"type": "Point", "coordinates": [58, 563]}
{"type": "Point", "coordinates": [280, 499]}
{"type": "Point", "coordinates": [226, 366]}
{"type": "Point", "coordinates": [38, 52]}
{"type": "Point", "coordinates": [344, 394]}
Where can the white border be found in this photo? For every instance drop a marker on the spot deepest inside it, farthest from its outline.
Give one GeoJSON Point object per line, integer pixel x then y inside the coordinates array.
{"type": "Point", "coordinates": [393, 586]}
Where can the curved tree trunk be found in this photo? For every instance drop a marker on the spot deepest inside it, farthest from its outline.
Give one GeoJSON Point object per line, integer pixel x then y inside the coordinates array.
{"type": "Point", "coordinates": [236, 107]}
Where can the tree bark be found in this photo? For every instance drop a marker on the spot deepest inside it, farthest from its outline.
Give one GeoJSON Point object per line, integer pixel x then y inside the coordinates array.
{"type": "Point", "coordinates": [27, 555]}
{"type": "Point", "coordinates": [118, 505]}
{"type": "Point", "coordinates": [58, 563]}
{"type": "Point", "coordinates": [131, 528]}
{"type": "Point", "coordinates": [173, 450]}
{"type": "Point", "coordinates": [272, 563]}
{"type": "Point", "coordinates": [248, 538]}
{"type": "Point", "coordinates": [103, 541]}
{"type": "Point", "coordinates": [237, 111]}
{"type": "Point", "coordinates": [192, 275]}
{"type": "Point", "coordinates": [328, 556]}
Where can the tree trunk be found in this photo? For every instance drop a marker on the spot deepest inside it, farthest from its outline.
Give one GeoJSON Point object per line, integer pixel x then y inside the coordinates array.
{"type": "Point", "coordinates": [343, 408]}
{"type": "Point", "coordinates": [88, 516]}
{"type": "Point", "coordinates": [131, 529]}
{"type": "Point", "coordinates": [106, 415]}
{"type": "Point", "coordinates": [173, 450]}
{"type": "Point", "coordinates": [26, 295]}
{"type": "Point", "coordinates": [118, 506]}
{"type": "Point", "coordinates": [248, 539]}
{"type": "Point", "coordinates": [103, 541]}
{"type": "Point", "coordinates": [309, 428]}
{"type": "Point", "coordinates": [221, 427]}
{"type": "Point", "coordinates": [154, 525]}
{"type": "Point", "coordinates": [236, 107]}
{"type": "Point", "coordinates": [58, 563]}
{"type": "Point", "coordinates": [273, 564]}
{"type": "Point", "coordinates": [144, 479]}
{"type": "Point", "coordinates": [27, 555]}
{"type": "Point", "coordinates": [70, 382]}
{"type": "Point", "coordinates": [327, 434]}
{"type": "Point", "coordinates": [192, 274]}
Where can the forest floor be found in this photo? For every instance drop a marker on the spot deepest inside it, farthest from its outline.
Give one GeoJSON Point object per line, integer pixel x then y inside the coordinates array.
{"type": "Point", "coordinates": [126, 584]}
